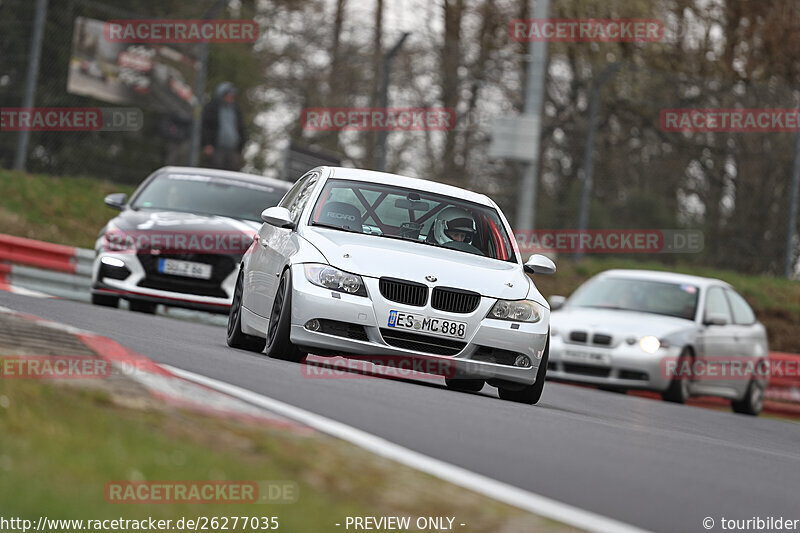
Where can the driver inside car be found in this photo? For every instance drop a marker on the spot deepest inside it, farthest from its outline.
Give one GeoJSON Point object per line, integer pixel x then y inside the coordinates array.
{"type": "Point", "coordinates": [454, 227]}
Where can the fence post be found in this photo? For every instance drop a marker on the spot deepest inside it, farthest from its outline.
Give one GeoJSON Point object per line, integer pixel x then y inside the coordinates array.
{"type": "Point", "coordinates": [31, 78]}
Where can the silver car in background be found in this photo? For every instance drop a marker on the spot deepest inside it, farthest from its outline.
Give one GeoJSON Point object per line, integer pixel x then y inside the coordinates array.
{"type": "Point", "coordinates": [675, 334]}
{"type": "Point", "coordinates": [361, 263]}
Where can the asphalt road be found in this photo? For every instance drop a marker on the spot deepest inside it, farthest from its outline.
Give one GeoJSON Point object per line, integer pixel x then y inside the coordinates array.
{"type": "Point", "coordinates": [658, 466]}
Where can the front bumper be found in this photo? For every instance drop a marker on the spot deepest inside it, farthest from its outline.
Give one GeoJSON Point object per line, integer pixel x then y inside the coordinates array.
{"type": "Point", "coordinates": [130, 288]}
{"type": "Point", "coordinates": [623, 366]}
{"type": "Point", "coordinates": [486, 340]}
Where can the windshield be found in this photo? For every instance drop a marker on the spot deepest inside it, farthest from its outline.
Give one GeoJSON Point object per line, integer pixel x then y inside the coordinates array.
{"type": "Point", "coordinates": [208, 196]}
{"type": "Point", "coordinates": [401, 213]}
{"type": "Point", "coordinates": [644, 296]}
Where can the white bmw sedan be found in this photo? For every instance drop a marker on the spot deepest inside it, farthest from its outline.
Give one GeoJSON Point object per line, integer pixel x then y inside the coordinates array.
{"type": "Point", "coordinates": [380, 266]}
{"type": "Point", "coordinates": [675, 334]}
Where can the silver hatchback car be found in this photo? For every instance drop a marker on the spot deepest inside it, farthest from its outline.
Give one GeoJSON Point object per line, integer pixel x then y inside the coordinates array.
{"type": "Point", "coordinates": [675, 334]}
{"type": "Point", "coordinates": [354, 262]}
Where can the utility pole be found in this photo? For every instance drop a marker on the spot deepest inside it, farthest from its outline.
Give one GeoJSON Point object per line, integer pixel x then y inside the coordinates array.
{"type": "Point", "coordinates": [790, 229]}
{"type": "Point", "coordinates": [386, 68]}
{"type": "Point", "coordinates": [534, 95]}
{"type": "Point", "coordinates": [31, 77]}
{"type": "Point", "coordinates": [200, 88]}
{"type": "Point", "coordinates": [588, 155]}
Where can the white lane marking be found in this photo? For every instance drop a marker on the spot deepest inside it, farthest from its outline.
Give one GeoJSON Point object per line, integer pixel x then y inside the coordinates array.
{"type": "Point", "coordinates": [520, 498]}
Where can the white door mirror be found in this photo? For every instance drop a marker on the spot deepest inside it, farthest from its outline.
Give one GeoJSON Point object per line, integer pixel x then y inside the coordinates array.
{"type": "Point", "coordinates": [539, 264]}
{"type": "Point", "coordinates": [278, 217]}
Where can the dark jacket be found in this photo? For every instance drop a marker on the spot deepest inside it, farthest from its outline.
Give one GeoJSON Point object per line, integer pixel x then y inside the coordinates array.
{"type": "Point", "coordinates": [211, 123]}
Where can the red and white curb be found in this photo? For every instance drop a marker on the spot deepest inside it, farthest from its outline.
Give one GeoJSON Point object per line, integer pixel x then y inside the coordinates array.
{"type": "Point", "coordinates": [164, 384]}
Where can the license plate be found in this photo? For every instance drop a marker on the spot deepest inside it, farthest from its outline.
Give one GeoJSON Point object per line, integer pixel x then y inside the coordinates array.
{"type": "Point", "coordinates": [426, 324]}
{"type": "Point", "coordinates": [188, 269]}
{"type": "Point", "coordinates": [588, 357]}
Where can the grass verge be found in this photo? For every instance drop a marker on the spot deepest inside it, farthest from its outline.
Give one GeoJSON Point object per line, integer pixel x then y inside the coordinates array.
{"type": "Point", "coordinates": [62, 210]}
{"type": "Point", "coordinates": [59, 446]}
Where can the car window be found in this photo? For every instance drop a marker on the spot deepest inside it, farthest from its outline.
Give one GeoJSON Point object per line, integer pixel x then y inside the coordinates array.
{"type": "Point", "coordinates": [207, 195]}
{"type": "Point", "coordinates": [293, 192]}
{"type": "Point", "coordinates": [742, 313]}
{"type": "Point", "coordinates": [304, 193]}
{"type": "Point", "coordinates": [638, 295]}
{"type": "Point", "coordinates": [717, 304]}
{"type": "Point", "coordinates": [392, 211]}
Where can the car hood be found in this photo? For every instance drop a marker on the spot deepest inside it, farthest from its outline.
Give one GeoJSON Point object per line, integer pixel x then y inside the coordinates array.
{"type": "Point", "coordinates": [619, 324]}
{"type": "Point", "coordinates": [144, 220]}
{"type": "Point", "coordinates": [374, 256]}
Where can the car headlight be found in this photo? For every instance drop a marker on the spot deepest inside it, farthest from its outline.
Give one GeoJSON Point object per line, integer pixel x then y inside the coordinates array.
{"type": "Point", "coordinates": [516, 310]}
{"type": "Point", "coordinates": [649, 344]}
{"type": "Point", "coordinates": [335, 279]}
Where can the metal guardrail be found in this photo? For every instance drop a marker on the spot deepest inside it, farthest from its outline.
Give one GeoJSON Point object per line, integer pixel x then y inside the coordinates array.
{"type": "Point", "coordinates": [54, 269]}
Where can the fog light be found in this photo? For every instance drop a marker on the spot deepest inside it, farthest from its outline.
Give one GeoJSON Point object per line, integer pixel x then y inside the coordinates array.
{"type": "Point", "coordinates": [522, 360]}
{"type": "Point", "coordinates": [112, 261]}
{"type": "Point", "coordinates": [312, 325]}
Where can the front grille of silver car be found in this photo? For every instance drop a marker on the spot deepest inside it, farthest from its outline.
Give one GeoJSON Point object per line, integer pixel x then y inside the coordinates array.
{"type": "Point", "coordinates": [421, 343]}
{"type": "Point", "coordinates": [587, 370]}
{"type": "Point", "coordinates": [404, 292]}
{"type": "Point", "coordinates": [578, 336]}
{"type": "Point", "coordinates": [454, 300]}
{"type": "Point", "coordinates": [601, 339]}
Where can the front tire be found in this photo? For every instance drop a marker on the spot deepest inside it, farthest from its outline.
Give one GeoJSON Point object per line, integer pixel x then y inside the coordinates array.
{"type": "Point", "coordinates": [278, 344]}
{"type": "Point", "coordinates": [530, 394]}
{"type": "Point", "coordinates": [753, 401]}
{"type": "Point", "coordinates": [235, 337]}
{"type": "Point", "coordinates": [142, 307]}
{"type": "Point", "coordinates": [105, 300]}
{"type": "Point", "coordinates": [678, 390]}
{"type": "Point", "coordinates": [464, 385]}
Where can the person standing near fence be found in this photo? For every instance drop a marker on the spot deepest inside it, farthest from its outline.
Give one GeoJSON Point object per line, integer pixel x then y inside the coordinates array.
{"type": "Point", "coordinates": [223, 129]}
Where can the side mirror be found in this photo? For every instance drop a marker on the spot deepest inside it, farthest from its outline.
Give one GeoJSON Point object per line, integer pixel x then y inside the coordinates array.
{"type": "Point", "coordinates": [278, 217]}
{"type": "Point", "coordinates": [116, 201]}
{"type": "Point", "coordinates": [715, 320]}
{"type": "Point", "coordinates": [557, 302]}
{"type": "Point", "coordinates": [539, 264]}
